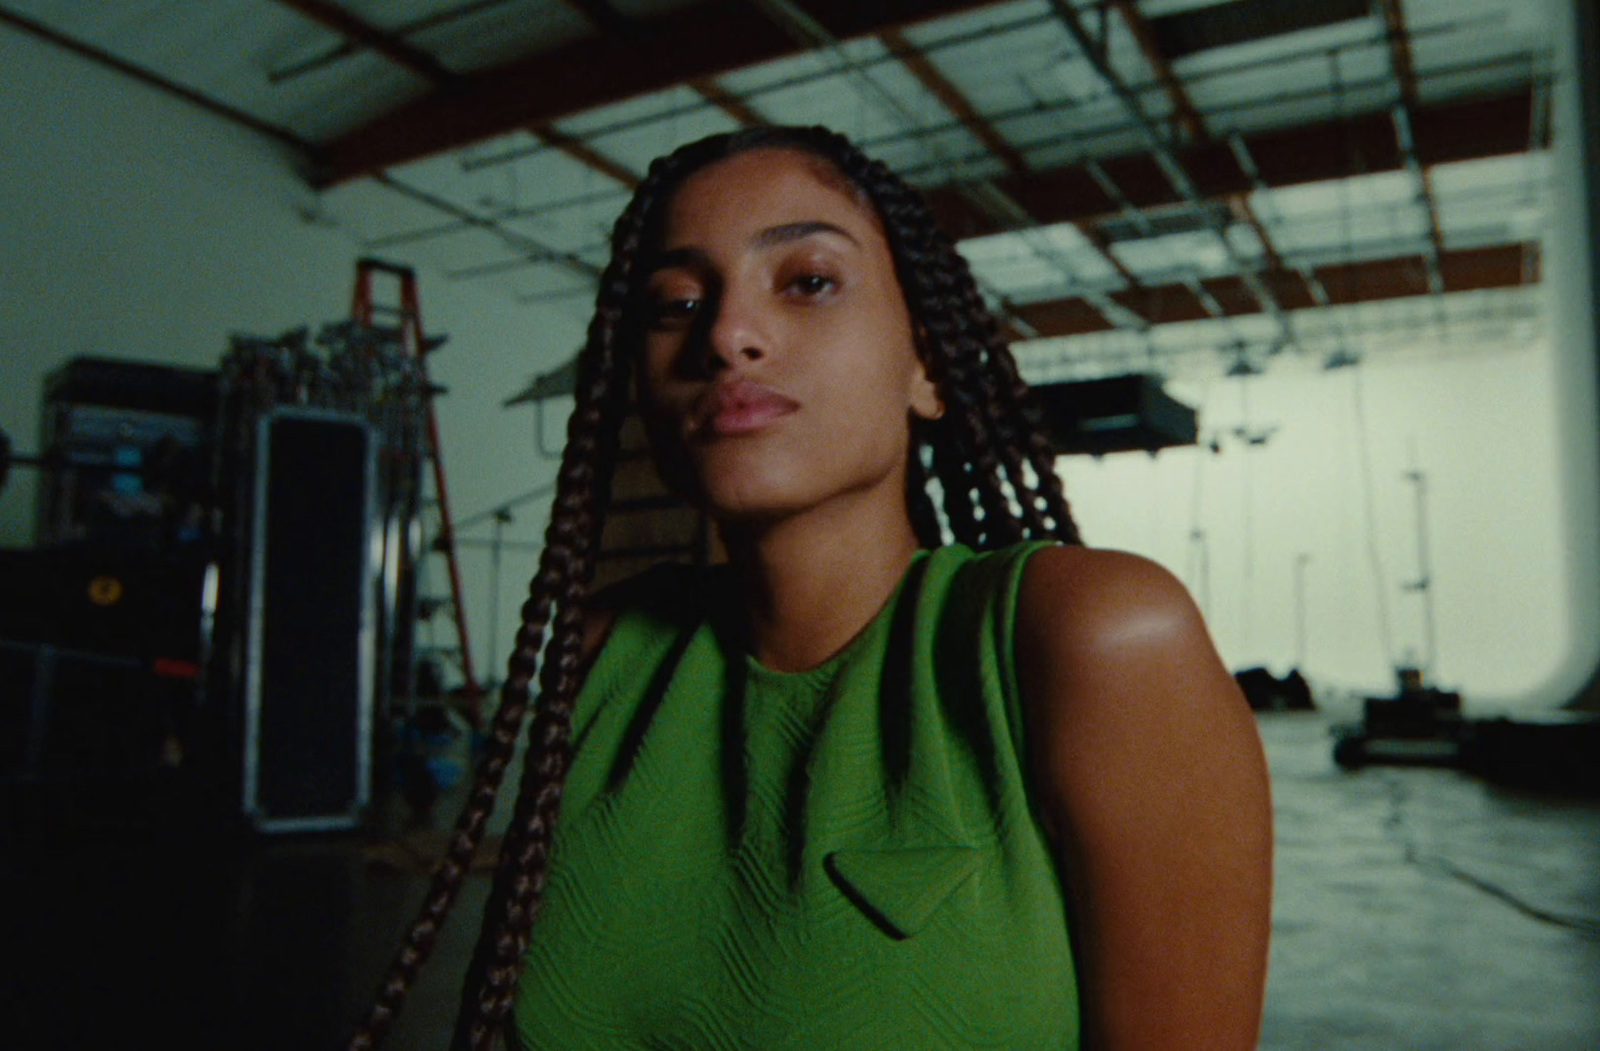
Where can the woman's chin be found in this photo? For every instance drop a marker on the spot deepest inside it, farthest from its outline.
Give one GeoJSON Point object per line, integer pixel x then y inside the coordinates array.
{"type": "Point", "coordinates": [747, 506]}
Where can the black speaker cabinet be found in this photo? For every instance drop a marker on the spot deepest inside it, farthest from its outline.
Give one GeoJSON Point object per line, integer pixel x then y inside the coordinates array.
{"type": "Point", "coordinates": [310, 661]}
{"type": "Point", "coordinates": [1116, 414]}
{"type": "Point", "coordinates": [128, 444]}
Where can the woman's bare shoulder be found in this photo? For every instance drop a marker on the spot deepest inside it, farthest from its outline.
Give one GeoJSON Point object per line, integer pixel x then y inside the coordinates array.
{"type": "Point", "coordinates": [1111, 643]}
{"type": "Point", "coordinates": [1150, 778]}
{"type": "Point", "coordinates": [1093, 600]}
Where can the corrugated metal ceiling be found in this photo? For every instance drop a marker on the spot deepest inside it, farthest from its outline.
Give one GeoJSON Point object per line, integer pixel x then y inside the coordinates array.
{"type": "Point", "coordinates": [1117, 167]}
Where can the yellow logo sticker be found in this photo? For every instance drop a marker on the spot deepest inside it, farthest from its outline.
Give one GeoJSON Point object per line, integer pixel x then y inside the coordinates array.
{"type": "Point", "coordinates": [105, 591]}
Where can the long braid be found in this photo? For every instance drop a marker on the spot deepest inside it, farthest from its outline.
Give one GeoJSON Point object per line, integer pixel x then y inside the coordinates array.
{"type": "Point", "coordinates": [566, 566]}
{"type": "Point", "coordinates": [930, 274]}
{"type": "Point", "coordinates": [1016, 401]}
{"type": "Point", "coordinates": [1000, 442]}
{"type": "Point", "coordinates": [572, 544]}
{"type": "Point", "coordinates": [924, 519]}
{"type": "Point", "coordinates": [452, 869]}
{"type": "Point", "coordinates": [568, 559]}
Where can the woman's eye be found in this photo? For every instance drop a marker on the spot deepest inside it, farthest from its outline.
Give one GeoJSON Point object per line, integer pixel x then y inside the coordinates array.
{"type": "Point", "coordinates": [673, 311]}
{"type": "Point", "coordinates": [811, 284]}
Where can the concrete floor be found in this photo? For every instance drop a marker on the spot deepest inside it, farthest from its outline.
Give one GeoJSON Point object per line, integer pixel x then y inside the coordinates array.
{"type": "Point", "coordinates": [1418, 908]}
{"type": "Point", "coordinates": [1415, 909]}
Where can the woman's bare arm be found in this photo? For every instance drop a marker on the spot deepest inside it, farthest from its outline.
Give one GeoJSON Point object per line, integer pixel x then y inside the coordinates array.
{"type": "Point", "coordinates": [1151, 778]}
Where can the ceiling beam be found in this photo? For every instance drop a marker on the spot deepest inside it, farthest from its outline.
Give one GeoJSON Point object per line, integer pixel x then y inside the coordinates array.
{"type": "Point", "coordinates": [1183, 108]}
{"type": "Point", "coordinates": [585, 154]}
{"type": "Point", "coordinates": [1463, 270]}
{"type": "Point", "coordinates": [702, 40]}
{"type": "Point", "coordinates": [1364, 144]}
{"type": "Point", "coordinates": [731, 104]}
{"type": "Point", "coordinates": [358, 31]}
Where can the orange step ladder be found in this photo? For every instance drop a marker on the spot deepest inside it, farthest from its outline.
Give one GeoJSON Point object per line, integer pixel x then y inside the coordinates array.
{"type": "Point", "coordinates": [406, 315]}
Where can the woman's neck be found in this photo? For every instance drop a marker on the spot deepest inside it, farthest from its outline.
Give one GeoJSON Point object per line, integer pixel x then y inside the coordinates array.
{"type": "Point", "coordinates": [810, 584]}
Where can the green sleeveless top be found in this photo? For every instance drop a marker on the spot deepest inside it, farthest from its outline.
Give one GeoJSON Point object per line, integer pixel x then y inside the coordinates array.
{"type": "Point", "coordinates": [840, 858]}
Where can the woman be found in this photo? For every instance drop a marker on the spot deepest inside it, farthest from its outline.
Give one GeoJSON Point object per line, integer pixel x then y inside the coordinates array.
{"type": "Point", "coordinates": [848, 791]}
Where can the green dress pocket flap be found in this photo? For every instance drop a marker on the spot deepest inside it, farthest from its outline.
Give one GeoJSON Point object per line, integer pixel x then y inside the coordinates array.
{"type": "Point", "coordinates": [900, 888]}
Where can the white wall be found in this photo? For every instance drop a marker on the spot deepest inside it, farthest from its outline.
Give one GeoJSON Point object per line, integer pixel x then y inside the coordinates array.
{"type": "Point", "coordinates": [1482, 430]}
{"type": "Point", "coordinates": [138, 226]}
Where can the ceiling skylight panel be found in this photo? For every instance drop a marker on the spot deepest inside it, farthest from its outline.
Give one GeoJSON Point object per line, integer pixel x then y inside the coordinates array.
{"type": "Point", "coordinates": [624, 134]}
{"type": "Point", "coordinates": [500, 33]}
{"type": "Point", "coordinates": [518, 144]}
{"type": "Point", "coordinates": [1462, 81]}
{"type": "Point", "coordinates": [633, 112]}
{"type": "Point", "coordinates": [1526, 174]}
{"type": "Point", "coordinates": [1497, 200]}
{"type": "Point", "coordinates": [1260, 83]}
{"type": "Point", "coordinates": [1056, 259]}
{"type": "Point", "coordinates": [872, 101]}
{"type": "Point", "coordinates": [1122, 50]}
{"type": "Point", "coordinates": [985, 21]}
{"type": "Point", "coordinates": [1032, 131]}
{"type": "Point", "coordinates": [1317, 38]}
{"type": "Point", "coordinates": [319, 107]}
{"type": "Point", "coordinates": [1321, 217]}
{"type": "Point", "coordinates": [1066, 147]}
{"type": "Point", "coordinates": [1271, 114]}
{"type": "Point", "coordinates": [1362, 192]}
{"type": "Point", "coordinates": [1393, 229]}
{"type": "Point", "coordinates": [936, 158]}
{"type": "Point", "coordinates": [1355, 67]}
{"type": "Point", "coordinates": [1246, 244]}
{"type": "Point", "coordinates": [1062, 237]}
{"type": "Point", "coordinates": [1476, 27]}
{"type": "Point", "coordinates": [1009, 70]}
{"type": "Point", "coordinates": [757, 80]}
{"type": "Point", "coordinates": [394, 18]}
{"type": "Point", "coordinates": [1155, 260]}
{"type": "Point", "coordinates": [1024, 278]}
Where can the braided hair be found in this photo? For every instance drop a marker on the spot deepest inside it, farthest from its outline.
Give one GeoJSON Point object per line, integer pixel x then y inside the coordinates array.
{"type": "Point", "coordinates": [988, 458]}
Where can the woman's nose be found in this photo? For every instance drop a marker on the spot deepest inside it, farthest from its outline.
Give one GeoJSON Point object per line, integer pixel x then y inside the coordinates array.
{"type": "Point", "coordinates": [739, 332]}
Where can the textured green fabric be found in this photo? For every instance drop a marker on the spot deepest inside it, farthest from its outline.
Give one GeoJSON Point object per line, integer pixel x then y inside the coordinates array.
{"type": "Point", "coordinates": [841, 858]}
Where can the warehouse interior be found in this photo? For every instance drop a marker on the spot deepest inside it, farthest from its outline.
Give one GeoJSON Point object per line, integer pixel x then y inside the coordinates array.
{"type": "Point", "coordinates": [1349, 245]}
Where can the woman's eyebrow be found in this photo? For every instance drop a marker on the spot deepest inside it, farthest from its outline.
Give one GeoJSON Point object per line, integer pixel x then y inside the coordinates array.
{"type": "Point", "coordinates": [675, 257]}
{"type": "Point", "coordinates": [783, 233]}
{"type": "Point", "coordinates": [787, 232]}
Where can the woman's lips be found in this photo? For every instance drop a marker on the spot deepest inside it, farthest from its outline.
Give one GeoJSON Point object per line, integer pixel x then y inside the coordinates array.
{"type": "Point", "coordinates": [739, 407]}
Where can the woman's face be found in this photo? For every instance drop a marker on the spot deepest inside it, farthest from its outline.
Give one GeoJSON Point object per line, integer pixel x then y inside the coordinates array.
{"type": "Point", "coordinates": [779, 360]}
